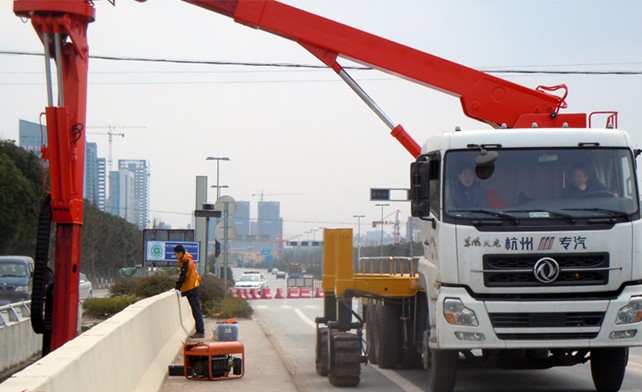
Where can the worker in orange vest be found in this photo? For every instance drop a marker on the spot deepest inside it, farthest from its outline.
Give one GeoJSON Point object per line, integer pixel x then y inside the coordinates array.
{"type": "Point", "coordinates": [188, 283]}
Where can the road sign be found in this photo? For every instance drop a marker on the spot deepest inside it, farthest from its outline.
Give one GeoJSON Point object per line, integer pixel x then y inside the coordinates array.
{"type": "Point", "coordinates": [266, 251]}
{"type": "Point", "coordinates": [156, 251]}
{"type": "Point", "coordinates": [269, 259]}
{"type": "Point", "coordinates": [222, 201]}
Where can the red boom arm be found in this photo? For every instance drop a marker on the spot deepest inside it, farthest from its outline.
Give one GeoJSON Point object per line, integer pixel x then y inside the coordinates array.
{"type": "Point", "coordinates": [483, 97]}
{"type": "Point", "coordinates": [62, 27]}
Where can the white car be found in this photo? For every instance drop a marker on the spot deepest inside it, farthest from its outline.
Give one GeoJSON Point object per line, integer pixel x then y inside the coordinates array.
{"type": "Point", "coordinates": [251, 281]}
{"type": "Point", "coordinates": [85, 289]}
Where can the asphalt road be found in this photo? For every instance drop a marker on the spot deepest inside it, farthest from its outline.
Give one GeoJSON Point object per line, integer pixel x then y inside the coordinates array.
{"type": "Point", "coordinates": [290, 325]}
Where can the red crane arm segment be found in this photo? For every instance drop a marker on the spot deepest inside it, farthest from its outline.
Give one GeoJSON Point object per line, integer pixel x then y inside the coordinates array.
{"type": "Point", "coordinates": [484, 97]}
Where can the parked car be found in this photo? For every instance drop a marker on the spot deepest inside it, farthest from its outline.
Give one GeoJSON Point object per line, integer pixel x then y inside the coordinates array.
{"type": "Point", "coordinates": [251, 281]}
{"type": "Point", "coordinates": [16, 275]}
{"type": "Point", "coordinates": [280, 275]}
{"type": "Point", "coordinates": [274, 271]}
{"type": "Point", "coordinates": [85, 289]}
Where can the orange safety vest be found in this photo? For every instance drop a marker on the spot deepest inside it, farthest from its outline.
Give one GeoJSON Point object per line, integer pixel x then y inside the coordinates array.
{"type": "Point", "coordinates": [192, 279]}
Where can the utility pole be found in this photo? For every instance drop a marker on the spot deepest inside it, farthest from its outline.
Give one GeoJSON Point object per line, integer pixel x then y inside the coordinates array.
{"type": "Point", "coordinates": [359, 234]}
{"type": "Point", "coordinates": [381, 243]}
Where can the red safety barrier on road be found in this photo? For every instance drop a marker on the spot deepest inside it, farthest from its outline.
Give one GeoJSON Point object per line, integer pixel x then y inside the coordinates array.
{"type": "Point", "coordinates": [254, 294]}
{"type": "Point", "coordinates": [319, 293]}
{"type": "Point", "coordinates": [266, 294]}
{"type": "Point", "coordinates": [233, 292]}
{"type": "Point", "coordinates": [241, 293]}
{"type": "Point", "coordinates": [305, 292]}
{"type": "Point", "coordinates": [293, 292]}
{"type": "Point", "coordinates": [279, 293]}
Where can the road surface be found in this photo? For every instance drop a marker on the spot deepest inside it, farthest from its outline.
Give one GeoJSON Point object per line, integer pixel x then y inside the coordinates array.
{"type": "Point", "coordinates": [290, 326]}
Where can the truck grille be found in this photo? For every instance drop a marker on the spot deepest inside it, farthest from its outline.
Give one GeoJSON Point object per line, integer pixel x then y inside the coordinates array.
{"type": "Point", "coordinates": [546, 320]}
{"type": "Point", "coordinates": [507, 325]}
{"type": "Point", "coordinates": [7, 288]}
{"type": "Point", "coordinates": [517, 270]}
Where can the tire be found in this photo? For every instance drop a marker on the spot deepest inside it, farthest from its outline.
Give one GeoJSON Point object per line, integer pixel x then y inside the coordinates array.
{"type": "Point", "coordinates": [442, 370]}
{"type": "Point", "coordinates": [607, 368]}
{"type": "Point", "coordinates": [345, 364]}
{"type": "Point", "coordinates": [371, 331]}
{"type": "Point", "coordinates": [387, 345]}
{"type": "Point", "coordinates": [321, 358]}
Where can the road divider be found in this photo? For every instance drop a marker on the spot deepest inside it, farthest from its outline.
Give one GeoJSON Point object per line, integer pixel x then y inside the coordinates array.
{"type": "Point", "coordinates": [292, 292]}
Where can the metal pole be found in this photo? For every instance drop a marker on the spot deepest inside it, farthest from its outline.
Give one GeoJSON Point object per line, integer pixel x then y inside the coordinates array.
{"type": "Point", "coordinates": [207, 243]}
{"type": "Point", "coordinates": [381, 244]}
{"type": "Point", "coordinates": [225, 214]}
{"type": "Point", "coordinates": [218, 172]}
{"type": "Point", "coordinates": [359, 234]}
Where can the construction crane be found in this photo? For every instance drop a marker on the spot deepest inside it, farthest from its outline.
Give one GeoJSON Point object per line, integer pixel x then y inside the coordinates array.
{"type": "Point", "coordinates": [263, 194]}
{"type": "Point", "coordinates": [111, 132]}
{"type": "Point", "coordinates": [396, 224]}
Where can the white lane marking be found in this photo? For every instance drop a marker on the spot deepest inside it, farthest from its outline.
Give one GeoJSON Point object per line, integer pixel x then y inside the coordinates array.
{"type": "Point", "coordinates": [305, 318]}
{"type": "Point", "coordinates": [389, 374]}
{"type": "Point", "coordinates": [261, 307]}
{"type": "Point", "coordinates": [312, 306]}
{"type": "Point", "coordinates": [286, 306]}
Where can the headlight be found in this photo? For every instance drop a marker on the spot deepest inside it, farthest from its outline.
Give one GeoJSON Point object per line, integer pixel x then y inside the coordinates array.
{"type": "Point", "coordinates": [22, 289]}
{"type": "Point", "coordinates": [457, 314]}
{"type": "Point", "coordinates": [631, 313]}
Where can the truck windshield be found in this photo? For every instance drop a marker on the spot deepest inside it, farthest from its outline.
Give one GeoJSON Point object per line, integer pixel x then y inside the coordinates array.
{"type": "Point", "coordinates": [565, 184]}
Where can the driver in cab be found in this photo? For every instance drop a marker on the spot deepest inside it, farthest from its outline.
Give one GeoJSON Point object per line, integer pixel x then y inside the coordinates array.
{"type": "Point", "coordinates": [466, 192]}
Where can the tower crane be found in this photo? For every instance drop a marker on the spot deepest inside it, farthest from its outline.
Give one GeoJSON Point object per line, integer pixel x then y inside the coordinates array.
{"type": "Point", "coordinates": [111, 132]}
{"type": "Point", "coordinates": [396, 224]}
{"type": "Point", "coordinates": [263, 194]}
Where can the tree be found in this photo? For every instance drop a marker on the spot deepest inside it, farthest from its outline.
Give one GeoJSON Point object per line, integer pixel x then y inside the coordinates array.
{"type": "Point", "coordinates": [22, 191]}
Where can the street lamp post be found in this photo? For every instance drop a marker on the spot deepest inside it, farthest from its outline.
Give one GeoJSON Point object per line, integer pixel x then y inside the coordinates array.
{"type": "Point", "coordinates": [381, 244]}
{"type": "Point", "coordinates": [359, 234]}
{"type": "Point", "coordinates": [218, 172]}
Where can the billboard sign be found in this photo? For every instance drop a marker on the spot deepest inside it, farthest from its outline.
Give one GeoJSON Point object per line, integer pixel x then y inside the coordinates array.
{"type": "Point", "coordinates": [163, 251]}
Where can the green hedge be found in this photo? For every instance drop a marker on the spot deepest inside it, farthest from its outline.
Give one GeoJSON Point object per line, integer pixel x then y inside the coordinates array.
{"type": "Point", "coordinates": [107, 307]}
{"type": "Point", "coordinates": [213, 296]}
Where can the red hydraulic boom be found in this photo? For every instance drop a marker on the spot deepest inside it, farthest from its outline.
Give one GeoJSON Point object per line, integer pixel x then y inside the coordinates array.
{"type": "Point", "coordinates": [62, 27]}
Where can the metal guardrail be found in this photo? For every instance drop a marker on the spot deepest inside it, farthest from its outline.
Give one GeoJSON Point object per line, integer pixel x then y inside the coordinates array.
{"type": "Point", "coordinates": [389, 265]}
{"type": "Point", "coordinates": [9, 313]}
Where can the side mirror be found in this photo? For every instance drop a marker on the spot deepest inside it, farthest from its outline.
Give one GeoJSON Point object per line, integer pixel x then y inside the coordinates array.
{"type": "Point", "coordinates": [419, 189]}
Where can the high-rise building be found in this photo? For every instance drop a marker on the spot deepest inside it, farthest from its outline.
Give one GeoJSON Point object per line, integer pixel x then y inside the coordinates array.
{"type": "Point", "coordinates": [95, 176]}
{"type": "Point", "coordinates": [270, 221]}
{"type": "Point", "coordinates": [122, 194]}
{"type": "Point", "coordinates": [32, 136]}
{"type": "Point", "coordinates": [140, 168]}
{"type": "Point", "coordinates": [242, 219]}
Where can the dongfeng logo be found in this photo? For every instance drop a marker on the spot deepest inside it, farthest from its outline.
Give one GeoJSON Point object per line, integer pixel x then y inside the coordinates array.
{"type": "Point", "coordinates": [546, 270]}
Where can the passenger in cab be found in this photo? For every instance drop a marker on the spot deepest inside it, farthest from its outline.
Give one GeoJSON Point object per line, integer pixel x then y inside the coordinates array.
{"type": "Point", "coordinates": [582, 184]}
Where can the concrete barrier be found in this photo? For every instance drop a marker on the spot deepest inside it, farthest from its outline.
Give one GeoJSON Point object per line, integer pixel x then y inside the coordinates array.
{"type": "Point", "coordinates": [128, 352]}
{"type": "Point", "coordinates": [18, 342]}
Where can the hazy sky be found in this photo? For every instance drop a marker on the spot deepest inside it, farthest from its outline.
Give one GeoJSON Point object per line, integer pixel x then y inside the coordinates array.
{"type": "Point", "coordinates": [299, 134]}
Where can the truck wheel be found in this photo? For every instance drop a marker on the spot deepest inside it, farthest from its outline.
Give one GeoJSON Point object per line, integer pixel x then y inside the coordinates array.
{"type": "Point", "coordinates": [371, 331]}
{"type": "Point", "coordinates": [345, 360]}
{"type": "Point", "coordinates": [607, 368]}
{"type": "Point", "coordinates": [442, 370]}
{"type": "Point", "coordinates": [387, 345]}
{"type": "Point", "coordinates": [321, 351]}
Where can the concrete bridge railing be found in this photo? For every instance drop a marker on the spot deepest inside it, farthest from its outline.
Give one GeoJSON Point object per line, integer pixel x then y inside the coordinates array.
{"type": "Point", "coordinates": [128, 352]}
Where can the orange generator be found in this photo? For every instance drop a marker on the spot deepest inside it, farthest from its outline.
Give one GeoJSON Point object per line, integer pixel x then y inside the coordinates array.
{"type": "Point", "coordinates": [214, 360]}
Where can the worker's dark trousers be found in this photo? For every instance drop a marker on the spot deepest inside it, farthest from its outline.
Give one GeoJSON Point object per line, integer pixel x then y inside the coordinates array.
{"type": "Point", "coordinates": [192, 296]}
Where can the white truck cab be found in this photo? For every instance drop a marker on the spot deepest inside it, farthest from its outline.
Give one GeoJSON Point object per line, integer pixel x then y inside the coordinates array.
{"type": "Point", "coordinates": [531, 250]}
